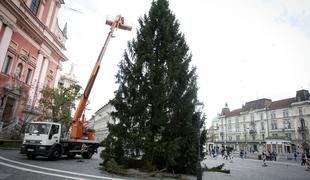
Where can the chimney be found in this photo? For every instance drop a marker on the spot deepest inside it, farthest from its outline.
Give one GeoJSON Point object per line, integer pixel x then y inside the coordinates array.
{"type": "Point", "coordinates": [302, 95]}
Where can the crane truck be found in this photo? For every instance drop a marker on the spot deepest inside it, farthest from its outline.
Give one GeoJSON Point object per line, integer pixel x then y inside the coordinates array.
{"type": "Point", "coordinates": [44, 138]}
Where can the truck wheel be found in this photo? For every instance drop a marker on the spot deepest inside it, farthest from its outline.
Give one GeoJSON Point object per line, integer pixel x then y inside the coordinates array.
{"type": "Point", "coordinates": [31, 156]}
{"type": "Point", "coordinates": [88, 154]}
{"type": "Point", "coordinates": [56, 154]}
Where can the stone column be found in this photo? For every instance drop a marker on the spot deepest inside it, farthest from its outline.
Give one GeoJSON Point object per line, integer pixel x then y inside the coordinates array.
{"type": "Point", "coordinates": [35, 79]}
{"type": "Point", "coordinates": [4, 44]}
{"type": "Point", "coordinates": [44, 72]}
{"type": "Point", "coordinates": [41, 80]}
{"type": "Point", "coordinates": [57, 77]}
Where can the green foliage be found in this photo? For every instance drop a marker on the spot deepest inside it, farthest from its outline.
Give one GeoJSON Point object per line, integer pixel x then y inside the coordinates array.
{"type": "Point", "coordinates": [218, 168]}
{"type": "Point", "coordinates": [155, 119]}
{"type": "Point", "coordinates": [10, 144]}
{"type": "Point", "coordinates": [111, 166]}
{"type": "Point", "coordinates": [57, 104]}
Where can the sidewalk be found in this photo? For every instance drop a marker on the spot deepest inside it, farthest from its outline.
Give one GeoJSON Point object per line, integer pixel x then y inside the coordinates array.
{"type": "Point", "coordinates": [254, 157]}
{"type": "Point", "coordinates": [283, 162]}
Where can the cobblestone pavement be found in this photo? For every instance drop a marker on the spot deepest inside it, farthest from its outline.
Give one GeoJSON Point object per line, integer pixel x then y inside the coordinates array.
{"type": "Point", "coordinates": [249, 169]}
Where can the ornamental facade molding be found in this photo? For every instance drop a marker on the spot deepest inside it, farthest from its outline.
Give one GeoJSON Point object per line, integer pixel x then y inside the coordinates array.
{"type": "Point", "coordinates": [8, 23]}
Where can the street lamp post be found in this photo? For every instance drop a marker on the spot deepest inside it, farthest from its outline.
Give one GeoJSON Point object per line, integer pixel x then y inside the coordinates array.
{"type": "Point", "coordinates": [246, 140]}
{"type": "Point", "coordinates": [198, 107]}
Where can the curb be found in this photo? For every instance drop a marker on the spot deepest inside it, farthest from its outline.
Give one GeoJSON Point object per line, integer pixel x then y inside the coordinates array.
{"type": "Point", "coordinates": [276, 162]}
{"type": "Point", "coordinates": [9, 148]}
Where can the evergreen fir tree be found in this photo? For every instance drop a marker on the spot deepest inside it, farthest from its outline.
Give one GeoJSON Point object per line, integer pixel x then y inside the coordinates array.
{"type": "Point", "coordinates": [155, 122]}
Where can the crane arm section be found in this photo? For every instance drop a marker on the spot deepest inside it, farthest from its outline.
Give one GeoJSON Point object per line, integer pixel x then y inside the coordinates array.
{"type": "Point", "coordinates": [77, 125]}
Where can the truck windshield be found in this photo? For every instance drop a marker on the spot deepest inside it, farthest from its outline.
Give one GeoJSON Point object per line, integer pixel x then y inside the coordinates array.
{"type": "Point", "coordinates": [38, 128]}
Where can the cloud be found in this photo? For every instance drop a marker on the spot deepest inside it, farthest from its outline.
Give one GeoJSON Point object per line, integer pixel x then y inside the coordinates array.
{"type": "Point", "coordinates": [297, 16]}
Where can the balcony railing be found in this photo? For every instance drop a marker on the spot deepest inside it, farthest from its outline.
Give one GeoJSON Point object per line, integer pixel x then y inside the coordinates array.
{"type": "Point", "coordinates": [303, 129]}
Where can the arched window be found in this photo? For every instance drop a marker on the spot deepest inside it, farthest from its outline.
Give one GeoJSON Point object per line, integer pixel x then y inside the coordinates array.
{"type": "Point", "coordinates": [34, 7]}
{"type": "Point", "coordinates": [19, 71]}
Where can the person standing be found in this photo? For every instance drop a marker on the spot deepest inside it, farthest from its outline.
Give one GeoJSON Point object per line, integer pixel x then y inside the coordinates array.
{"type": "Point", "coordinates": [241, 154]}
{"type": "Point", "coordinates": [274, 154]}
{"type": "Point", "coordinates": [295, 156]}
{"type": "Point", "coordinates": [231, 156]}
{"type": "Point", "coordinates": [225, 155]}
{"type": "Point", "coordinates": [264, 159]}
{"type": "Point", "coordinates": [303, 159]}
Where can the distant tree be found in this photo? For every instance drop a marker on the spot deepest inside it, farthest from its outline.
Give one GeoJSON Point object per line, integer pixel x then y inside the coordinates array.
{"type": "Point", "coordinates": [57, 104]}
{"type": "Point", "coordinates": [155, 126]}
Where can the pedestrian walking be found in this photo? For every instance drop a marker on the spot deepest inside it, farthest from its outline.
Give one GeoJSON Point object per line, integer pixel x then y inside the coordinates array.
{"type": "Point", "coordinates": [231, 157]}
{"type": "Point", "coordinates": [295, 156]}
{"type": "Point", "coordinates": [225, 155]}
{"type": "Point", "coordinates": [213, 152]}
{"type": "Point", "coordinates": [241, 154]}
{"type": "Point", "coordinates": [303, 159]}
{"type": "Point", "coordinates": [245, 153]}
{"type": "Point", "coordinates": [264, 159]}
{"type": "Point", "coordinates": [274, 155]}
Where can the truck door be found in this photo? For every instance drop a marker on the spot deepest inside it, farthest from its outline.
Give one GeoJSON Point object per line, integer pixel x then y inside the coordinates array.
{"type": "Point", "coordinates": [54, 135]}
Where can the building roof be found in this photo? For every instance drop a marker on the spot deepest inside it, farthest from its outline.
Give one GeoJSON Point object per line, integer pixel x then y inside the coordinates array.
{"type": "Point", "coordinates": [256, 104]}
{"type": "Point", "coordinates": [235, 112]}
{"type": "Point", "coordinates": [301, 95]}
{"type": "Point", "coordinates": [260, 104]}
{"type": "Point", "coordinates": [102, 107]}
{"type": "Point", "coordinates": [284, 103]}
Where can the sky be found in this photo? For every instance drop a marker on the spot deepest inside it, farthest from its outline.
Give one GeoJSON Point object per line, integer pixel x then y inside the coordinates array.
{"type": "Point", "coordinates": [243, 50]}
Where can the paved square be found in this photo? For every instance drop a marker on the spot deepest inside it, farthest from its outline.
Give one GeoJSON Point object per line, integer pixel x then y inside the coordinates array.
{"type": "Point", "coordinates": [248, 169]}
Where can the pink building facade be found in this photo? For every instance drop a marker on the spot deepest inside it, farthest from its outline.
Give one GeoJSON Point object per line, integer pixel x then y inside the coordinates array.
{"type": "Point", "coordinates": [31, 54]}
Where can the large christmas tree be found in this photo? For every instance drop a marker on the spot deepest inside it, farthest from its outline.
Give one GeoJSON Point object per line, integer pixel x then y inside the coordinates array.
{"type": "Point", "coordinates": [155, 121]}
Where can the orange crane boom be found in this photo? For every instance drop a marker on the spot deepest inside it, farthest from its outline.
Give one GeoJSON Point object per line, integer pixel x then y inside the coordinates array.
{"type": "Point", "coordinates": [77, 124]}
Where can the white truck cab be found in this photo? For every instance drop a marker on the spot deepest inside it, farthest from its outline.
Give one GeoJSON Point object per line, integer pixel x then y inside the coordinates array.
{"type": "Point", "coordinates": [40, 137]}
{"type": "Point", "coordinates": [46, 133]}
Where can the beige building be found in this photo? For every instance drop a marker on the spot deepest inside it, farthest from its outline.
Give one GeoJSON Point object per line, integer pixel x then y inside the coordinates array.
{"type": "Point", "coordinates": [100, 120]}
{"type": "Point", "coordinates": [281, 126]}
